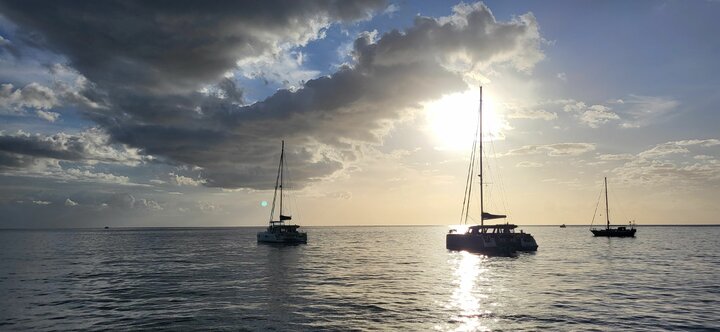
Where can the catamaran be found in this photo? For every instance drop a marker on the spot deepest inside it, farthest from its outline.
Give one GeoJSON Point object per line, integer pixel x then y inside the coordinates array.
{"type": "Point", "coordinates": [620, 231]}
{"type": "Point", "coordinates": [278, 231]}
{"type": "Point", "coordinates": [492, 239]}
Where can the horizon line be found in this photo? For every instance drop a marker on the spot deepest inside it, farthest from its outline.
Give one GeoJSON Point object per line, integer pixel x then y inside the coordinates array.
{"type": "Point", "coordinates": [320, 226]}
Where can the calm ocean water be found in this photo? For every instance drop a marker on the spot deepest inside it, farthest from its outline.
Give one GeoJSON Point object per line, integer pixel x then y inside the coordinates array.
{"type": "Point", "coordinates": [356, 278]}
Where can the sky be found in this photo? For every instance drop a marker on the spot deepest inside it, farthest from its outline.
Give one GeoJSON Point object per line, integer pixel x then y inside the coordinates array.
{"type": "Point", "coordinates": [171, 113]}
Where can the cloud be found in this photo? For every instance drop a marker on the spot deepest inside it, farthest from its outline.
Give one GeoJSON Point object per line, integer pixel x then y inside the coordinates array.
{"type": "Point", "coordinates": [38, 202]}
{"type": "Point", "coordinates": [528, 164]}
{"type": "Point", "coordinates": [592, 116]}
{"type": "Point", "coordinates": [99, 177]}
{"type": "Point", "coordinates": [32, 95]}
{"type": "Point", "coordinates": [640, 111]}
{"type": "Point", "coordinates": [660, 165]}
{"type": "Point", "coordinates": [185, 181]}
{"type": "Point", "coordinates": [676, 147]}
{"type": "Point", "coordinates": [517, 112]}
{"type": "Point", "coordinates": [553, 150]}
{"type": "Point", "coordinates": [284, 68]}
{"type": "Point", "coordinates": [632, 111]}
{"type": "Point", "coordinates": [615, 157]}
{"type": "Point", "coordinates": [91, 146]}
{"type": "Point", "coordinates": [47, 116]}
{"type": "Point", "coordinates": [136, 43]}
{"type": "Point", "coordinates": [16, 101]}
{"type": "Point", "coordinates": [391, 9]}
{"type": "Point", "coordinates": [562, 77]}
{"type": "Point", "coordinates": [125, 201]}
{"type": "Point", "coordinates": [69, 202]}
{"type": "Point", "coordinates": [597, 115]}
{"type": "Point", "coordinates": [148, 80]}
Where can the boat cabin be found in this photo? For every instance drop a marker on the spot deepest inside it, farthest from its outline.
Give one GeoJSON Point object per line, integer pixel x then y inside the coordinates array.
{"type": "Point", "coordinates": [277, 226]}
{"type": "Point", "coordinates": [490, 229]}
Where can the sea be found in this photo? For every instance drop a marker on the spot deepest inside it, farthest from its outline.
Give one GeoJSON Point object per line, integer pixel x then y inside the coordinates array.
{"type": "Point", "coordinates": [356, 279]}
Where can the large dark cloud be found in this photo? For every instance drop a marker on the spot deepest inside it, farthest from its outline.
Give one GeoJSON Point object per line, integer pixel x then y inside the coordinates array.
{"type": "Point", "coordinates": [146, 61]}
{"type": "Point", "coordinates": [172, 45]}
{"type": "Point", "coordinates": [91, 146]}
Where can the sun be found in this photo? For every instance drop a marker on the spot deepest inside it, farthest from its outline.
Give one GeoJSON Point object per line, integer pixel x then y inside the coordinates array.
{"type": "Point", "coordinates": [452, 119]}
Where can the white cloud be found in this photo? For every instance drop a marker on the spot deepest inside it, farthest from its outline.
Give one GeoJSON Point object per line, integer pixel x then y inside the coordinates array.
{"type": "Point", "coordinates": [284, 67]}
{"type": "Point", "coordinates": [632, 111]}
{"type": "Point", "coordinates": [554, 150]}
{"type": "Point", "coordinates": [517, 112]}
{"type": "Point", "coordinates": [87, 176]}
{"type": "Point", "coordinates": [391, 9]}
{"type": "Point", "coordinates": [47, 115]}
{"type": "Point", "coordinates": [207, 206]}
{"type": "Point", "coordinates": [597, 115]}
{"type": "Point", "coordinates": [148, 204]}
{"type": "Point", "coordinates": [33, 96]}
{"type": "Point", "coordinates": [640, 111]}
{"type": "Point", "coordinates": [528, 164]}
{"type": "Point", "coordinates": [615, 157]}
{"type": "Point", "coordinates": [703, 157]}
{"type": "Point", "coordinates": [592, 116]}
{"type": "Point", "coordinates": [41, 202]}
{"type": "Point", "coordinates": [90, 147]}
{"type": "Point", "coordinates": [69, 202]}
{"type": "Point", "coordinates": [562, 77]}
{"type": "Point", "coordinates": [662, 164]}
{"type": "Point", "coordinates": [185, 181]}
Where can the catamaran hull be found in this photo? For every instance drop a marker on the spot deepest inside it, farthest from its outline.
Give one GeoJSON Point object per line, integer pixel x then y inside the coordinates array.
{"type": "Point", "coordinates": [267, 237]}
{"type": "Point", "coordinates": [613, 232]}
{"type": "Point", "coordinates": [491, 244]}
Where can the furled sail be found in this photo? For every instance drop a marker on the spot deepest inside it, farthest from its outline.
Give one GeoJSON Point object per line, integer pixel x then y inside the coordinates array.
{"type": "Point", "coordinates": [489, 216]}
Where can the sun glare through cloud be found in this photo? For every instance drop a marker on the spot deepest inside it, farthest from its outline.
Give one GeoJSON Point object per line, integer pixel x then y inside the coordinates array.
{"type": "Point", "coordinates": [452, 119]}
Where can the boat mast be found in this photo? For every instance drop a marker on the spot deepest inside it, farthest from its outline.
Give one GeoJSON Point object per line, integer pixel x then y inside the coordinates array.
{"type": "Point", "coordinates": [278, 184]}
{"type": "Point", "coordinates": [607, 211]}
{"type": "Point", "coordinates": [282, 159]}
{"type": "Point", "coordinates": [480, 138]}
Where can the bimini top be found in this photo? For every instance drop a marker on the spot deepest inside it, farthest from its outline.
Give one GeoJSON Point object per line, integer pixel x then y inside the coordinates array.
{"type": "Point", "coordinates": [279, 224]}
{"type": "Point", "coordinates": [508, 226]}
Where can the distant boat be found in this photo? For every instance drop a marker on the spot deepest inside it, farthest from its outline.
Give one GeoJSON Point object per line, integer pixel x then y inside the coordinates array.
{"type": "Point", "coordinates": [492, 239]}
{"type": "Point", "coordinates": [278, 231]}
{"type": "Point", "coordinates": [563, 226]}
{"type": "Point", "coordinates": [620, 231]}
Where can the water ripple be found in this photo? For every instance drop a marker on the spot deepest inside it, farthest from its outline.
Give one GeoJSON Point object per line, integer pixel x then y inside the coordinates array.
{"type": "Point", "coordinates": [356, 279]}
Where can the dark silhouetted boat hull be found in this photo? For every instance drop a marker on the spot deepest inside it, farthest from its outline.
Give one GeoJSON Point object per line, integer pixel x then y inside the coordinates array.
{"type": "Point", "coordinates": [614, 232]}
{"type": "Point", "coordinates": [491, 239]}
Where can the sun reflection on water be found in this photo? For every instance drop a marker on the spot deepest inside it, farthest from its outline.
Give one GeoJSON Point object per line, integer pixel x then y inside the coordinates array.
{"type": "Point", "coordinates": [467, 298]}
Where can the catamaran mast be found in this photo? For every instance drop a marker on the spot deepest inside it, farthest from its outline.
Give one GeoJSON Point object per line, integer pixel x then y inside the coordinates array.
{"type": "Point", "coordinates": [282, 159]}
{"type": "Point", "coordinates": [278, 184]}
{"type": "Point", "coordinates": [482, 210]}
{"type": "Point", "coordinates": [607, 211]}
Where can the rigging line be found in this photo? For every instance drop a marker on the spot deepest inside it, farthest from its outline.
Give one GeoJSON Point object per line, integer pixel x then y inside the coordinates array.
{"type": "Point", "coordinates": [468, 183]}
{"type": "Point", "coordinates": [277, 181]}
{"type": "Point", "coordinates": [616, 202]}
{"type": "Point", "coordinates": [293, 207]}
{"type": "Point", "coordinates": [469, 171]}
{"type": "Point", "coordinates": [473, 170]}
{"type": "Point", "coordinates": [496, 177]}
{"type": "Point", "coordinates": [596, 207]}
{"type": "Point", "coordinates": [503, 192]}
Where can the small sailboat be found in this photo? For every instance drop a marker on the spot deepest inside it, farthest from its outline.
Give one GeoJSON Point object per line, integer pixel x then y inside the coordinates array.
{"type": "Point", "coordinates": [278, 231]}
{"type": "Point", "coordinates": [620, 231]}
{"type": "Point", "coordinates": [490, 239]}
